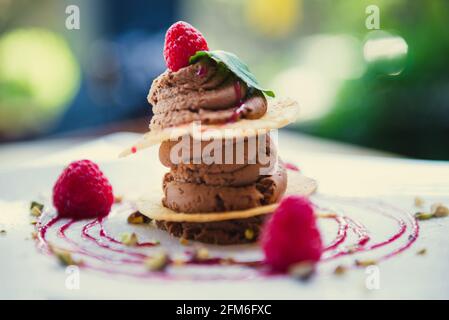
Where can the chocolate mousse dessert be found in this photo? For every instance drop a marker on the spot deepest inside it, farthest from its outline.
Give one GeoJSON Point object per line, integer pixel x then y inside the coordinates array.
{"type": "Point", "coordinates": [219, 190]}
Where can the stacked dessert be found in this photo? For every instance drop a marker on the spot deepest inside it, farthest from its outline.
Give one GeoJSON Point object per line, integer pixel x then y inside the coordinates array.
{"type": "Point", "coordinates": [202, 92]}
{"type": "Point", "coordinates": [214, 198]}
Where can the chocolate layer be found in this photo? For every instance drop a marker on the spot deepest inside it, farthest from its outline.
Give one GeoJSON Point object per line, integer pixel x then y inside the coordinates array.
{"type": "Point", "coordinates": [227, 232]}
{"type": "Point", "coordinates": [192, 197]}
{"type": "Point", "coordinates": [233, 153]}
{"type": "Point", "coordinates": [233, 170]}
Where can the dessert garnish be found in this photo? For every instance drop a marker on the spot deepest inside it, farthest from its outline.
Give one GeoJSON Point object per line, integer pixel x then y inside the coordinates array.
{"type": "Point", "coordinates": [291, 236]}
{"type": "Point", "coordinates": [422, 252]}
{"type": "Point", "coordinates": [365, 263]}
{"type": "Point", "coordinates": [65, 257]}
{"type": "Point", "coordinates": [235, 65]}
{"type": "Point", "coordinates": [129, 239]}
{"type": "Point", "coordinates": [200, 254]}
{"type": "Point", "coordinates": [419, 202]}
{"type": "Point", "coordinates": [36, 208]}
{"type": "Point", "coordinates": [138, 218]}
{"type": "Point", "coordinates": [249, 234]}
{"type": "Point", "coordinates": [437, 210]}
{"type": "Point", "coordinates": [424, 216]}
{"type": "Point", "coordinates": [302, 270]}
{"type": "Point", "coordinates": [82, 191]}
{"type": "Point", "coordinates": [157, 262]}
{"type": "Point", "coordinates": [183, 241]}
{"type": "Point", "coordinates": [340, 270]}
{"type": "Point", "coordinates": [182, 41]}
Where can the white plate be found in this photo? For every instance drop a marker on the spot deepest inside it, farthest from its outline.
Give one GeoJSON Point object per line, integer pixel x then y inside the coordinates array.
{"type": "Point", "coordinates": [26, 273]}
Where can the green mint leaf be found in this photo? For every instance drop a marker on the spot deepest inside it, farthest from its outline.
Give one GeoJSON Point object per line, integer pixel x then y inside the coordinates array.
{"type": "Point", "coordinates": [233, 63]}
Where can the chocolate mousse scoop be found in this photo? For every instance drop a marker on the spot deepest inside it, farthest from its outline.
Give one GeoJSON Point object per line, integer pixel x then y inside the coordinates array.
{"type": "Point", "coordinates": [257, 179]}
{"type": "Point", "coordinates": [204, 91]}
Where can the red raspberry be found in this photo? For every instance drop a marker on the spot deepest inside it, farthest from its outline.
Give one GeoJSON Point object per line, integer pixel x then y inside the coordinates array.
{"type": "Point", "coordinates": [181, 42]}
{"type": "Point", "coordinates": [291, 235]}
{"type": "Point", "coordinates": [82, 191]}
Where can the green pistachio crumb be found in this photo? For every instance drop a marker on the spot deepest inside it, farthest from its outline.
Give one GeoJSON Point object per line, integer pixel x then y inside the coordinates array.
{"type": "Point", "coordinates": [158, 262]}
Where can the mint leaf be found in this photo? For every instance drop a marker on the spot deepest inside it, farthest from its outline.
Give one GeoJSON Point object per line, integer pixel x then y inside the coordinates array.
{"type": "Point", "coordinates": [237, 66]}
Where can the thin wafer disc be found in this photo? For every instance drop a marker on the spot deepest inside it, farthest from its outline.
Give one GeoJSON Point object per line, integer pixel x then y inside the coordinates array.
{"type": "Point", "coordinates": [279, 114]}
{"type": "Point", "coordinates": [152, 206]}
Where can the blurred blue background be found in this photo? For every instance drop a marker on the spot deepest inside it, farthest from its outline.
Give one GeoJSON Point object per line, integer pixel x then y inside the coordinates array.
{"type": "Point", "coordinates": [386, 89]}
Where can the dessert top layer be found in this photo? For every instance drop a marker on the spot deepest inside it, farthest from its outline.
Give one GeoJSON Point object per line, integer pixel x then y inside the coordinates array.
{"type": "Point", "coordinates": [204, 91]}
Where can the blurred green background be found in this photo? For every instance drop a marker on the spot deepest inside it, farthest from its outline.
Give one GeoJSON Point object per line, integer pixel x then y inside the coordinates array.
{"type": "Point", "coordinates": [386, 89]}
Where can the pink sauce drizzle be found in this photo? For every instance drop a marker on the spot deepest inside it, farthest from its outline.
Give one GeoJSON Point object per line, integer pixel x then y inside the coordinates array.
{"type": "Point", "coordinates": [240, 107]}
{"type": "Point", "coordinates": [290, 166]}
{"type": "Point", "coordinates": [341, 233]}
{"type": "Point", "coordinates": [360, 231]}
{"type": "Point", "coordinates": [125, 255]}
{"type": "Point", "coordinates": [99, 242]}
{"type": "Point", "coordinates": [104, 234]}
{"type": "Point", "coordinates": [202, 70]}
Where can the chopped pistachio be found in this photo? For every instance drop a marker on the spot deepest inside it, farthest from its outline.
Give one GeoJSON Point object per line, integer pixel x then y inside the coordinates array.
{"type": "Point", "coordinates": [439, 210]}
{"type": "Point", "coordinates": [302, 270]}
{"type": "Point", "coordinates": [365, 263]}
{"type": "Point", "coordinates": [339, 270]}
{"type": "Point", "coordinates": [423, 216]}
{"type": "Point", "coordinates": [35, 211]}
{"type": "Point", "coordinates": [129, 239]}
{"type": "Point", "coordinates": [327, 215]}
{"type": "Point", "coordinates": [201, 254]}
{"type": "Point", "coordinates": [65, 257]}
{"type": "Point", "coordinates": [184, 241]}
{"type": "Point", "coordinates": [422, 252]}
{"type": "Point", "coordinates": [157, 262]}
{"type": "Point", "coordinates": [419, 202]}
{"type": "Point", "coordinates": [137, 218]}
{"type": "Point", "coordinates": [35, 204]}
{"type": "Point", "coordinates": [249, 234]}
{"type": "Point", "coordinates": [178, 262]}
{"type": "Point", "coordinates": [352, 248]}
{"type": "Point", "coordinates": [118, 199]}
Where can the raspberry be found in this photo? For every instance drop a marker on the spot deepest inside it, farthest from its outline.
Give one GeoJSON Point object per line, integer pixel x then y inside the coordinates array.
{"type": "Point", "coordinates": [181, 42]}
{"type": "Point", "coordinates": [82, 191]}
{"type": "Point", "coordinates": [291, 235]}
